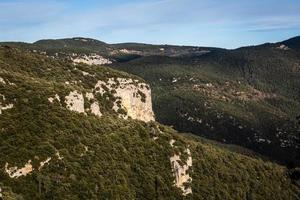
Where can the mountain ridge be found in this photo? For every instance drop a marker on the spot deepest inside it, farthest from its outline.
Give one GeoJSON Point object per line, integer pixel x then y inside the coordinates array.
{"type": "Point", "coordinates": [294, 39]}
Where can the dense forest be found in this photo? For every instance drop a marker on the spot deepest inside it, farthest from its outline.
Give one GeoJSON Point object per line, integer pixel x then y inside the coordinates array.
{"type": "Point", "coordinates": [72, 155]}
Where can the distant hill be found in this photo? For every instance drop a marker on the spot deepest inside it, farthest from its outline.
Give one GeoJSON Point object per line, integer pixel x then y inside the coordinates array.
{"type": "Point", "coordinates": [293, 43]}
{"type": "Point", "coordinates": [74, 45]}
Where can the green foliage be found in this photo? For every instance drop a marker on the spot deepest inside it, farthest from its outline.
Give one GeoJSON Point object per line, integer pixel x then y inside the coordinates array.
{"type": "Point", "coordinates": [108, 157]}
{"type": "Point", "coordinates": [233, 96]}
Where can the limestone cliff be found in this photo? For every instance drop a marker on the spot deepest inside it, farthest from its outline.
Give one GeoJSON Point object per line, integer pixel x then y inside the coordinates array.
{"type": "Point", "coordinates": [132, 96]}
{"type": "Point", "coordinates": [181, 169]}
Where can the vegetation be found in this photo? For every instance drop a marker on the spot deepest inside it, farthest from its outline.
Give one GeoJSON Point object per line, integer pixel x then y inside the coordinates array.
{"type": "Point", "coordinates": [108, 157]}
{"type": "Point", "coordinates": [247, 96]}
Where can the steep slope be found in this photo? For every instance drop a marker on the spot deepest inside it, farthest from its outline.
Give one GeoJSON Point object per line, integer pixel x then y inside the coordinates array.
{"type": "Point", "coordinates": [248, 96]}
{"type": "Point", "coordinates": [86, 88]}
{"type": "Point", "coordinates": [53, 147]}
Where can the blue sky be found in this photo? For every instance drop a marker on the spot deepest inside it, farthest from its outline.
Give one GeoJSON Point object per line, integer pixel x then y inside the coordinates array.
{"type": "Point", "coordinates": [220, 23]}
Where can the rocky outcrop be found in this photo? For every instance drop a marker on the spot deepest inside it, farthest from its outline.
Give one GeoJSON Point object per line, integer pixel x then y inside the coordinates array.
{"type": "Point", "coordinates": [2, 80]}
{"type": "Point", "coordinates": [131, 95]}
{"type": "Point", "coordinates": [4, 106]}
{"type": "Point", "coordinates": [131, 98]}
{"type": "Point", "coordinates": [15, 172]}
{"type": "Point", "coordinates": [180, 170]}
{"type": "Point", "coordinates": [75, 102]}
{"type": "Point", "coordinates": [52, 99]}
{"type": "Point", "coordinates": [94, 108]}
{"type": "Point", "coordinates": [283, 47]}
{"type": "Point", "coordinates": [127, 51]}
{"type": "Point", "coordinates": [92, 59]}
{"type": "Point", "coordinates": [5, 82]}
{"type": "Point", "coordinates": [43, 163]}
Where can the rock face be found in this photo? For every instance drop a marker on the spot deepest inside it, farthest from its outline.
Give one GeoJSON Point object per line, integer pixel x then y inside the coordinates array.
{"type": "Point", "coordinates": [2, 80]}
{"type": "Point", "coordinates": [4, 106]}
{"type": "Point", "coordinates": [126, 51]}
{"type": "Point", "coordinates": [5, 82]}
{"type": "Point", "coordinates": [43, 163]}
{"type": "Point", "coordinates": [52, 99]}
{"type": "Point", "coordinates": [132, 96]}
{"type": "Point", "coordinates": [75, 102]}
{"type": "Point", "coordinates": [95, 108]}
{"type": "Point", "coordinates": [180, 170]}
{"type": "Point", "coordinates": [92, 59]}
{"type": "Point", "coordinates": [283, 47]}
{"type": "Point", "coordinates": [14, 172]}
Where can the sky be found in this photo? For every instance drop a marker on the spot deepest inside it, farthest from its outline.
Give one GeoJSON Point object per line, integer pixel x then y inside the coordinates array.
{"type": "Point", "coordinates": [218, 23]}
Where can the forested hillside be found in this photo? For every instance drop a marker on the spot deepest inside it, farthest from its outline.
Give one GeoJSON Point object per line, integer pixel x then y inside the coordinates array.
{"type": "Point", "coordinates": [247, 96]}
{"type": "Point", "coordinates": [67, 132]}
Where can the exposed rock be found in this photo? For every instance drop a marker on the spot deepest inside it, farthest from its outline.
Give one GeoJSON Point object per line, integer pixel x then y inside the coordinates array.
{"type": "Point", "coordinates": [180, 170]}
{"type": "Point", "coordinates": [80, 39]}
{"type": "Point", "coordinates": [131, 96]}
{"type": "Point", "coordinates": [174, 80]}
{"type": "Point", "coordinates": [2, 80]}
{"type": "Point", "coordinates": [14, 172]}
{"type": "Point", "coordinates": [190, 118]}
{"type": "Point", "coordinates": [92, 59]}
{"type": "Point", "coordinates": [86, 149]}
{"type": "Point", "coordinates": [229, 92]}
{"type": "Point", "coordinates": [4, 106]}
{"type": "Point", "coordinates": [56, 97]}
{"type": "Point", "coordinates": [42, 164]}
{"type": "Point", "coordinates": [283, 47]}
{"type": "Point", "coordinates": [75, 102]}
{"type": "Point", "coordinates": [134, 97]}
{"type": "Point", "coordinates": [155, 138]}
{"type": "Point", "coordinates": [90, 96]}
{"type": "Point", "coordinates": [59, 157]}
{"type": "Point", "coordinates": [126, 51]}
{"type": "Point", "coordinates": [209, 85]}
{"type": "Point", "coordinates": [86, 73]}
{"type": "Point", "coordinates": [95, 109]}
{"type": "Point", "coordinates": [172, 142]}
